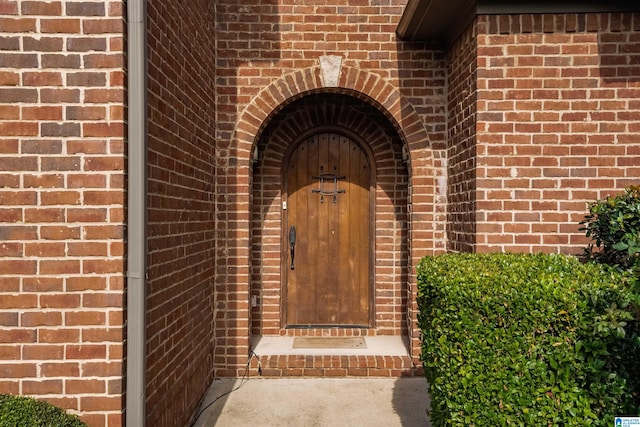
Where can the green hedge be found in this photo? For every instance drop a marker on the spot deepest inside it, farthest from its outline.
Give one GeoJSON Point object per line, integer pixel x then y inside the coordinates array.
{"type": "Point", "coordinates": [19, 411]}
{"type": "Point", "coordinates": [613, 224]}
{"type": "Point", "coordinates": [527, 340]}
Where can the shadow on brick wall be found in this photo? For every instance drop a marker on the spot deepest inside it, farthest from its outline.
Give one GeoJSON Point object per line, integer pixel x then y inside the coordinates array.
{"type": "Point", "coordinates": [619, 49]}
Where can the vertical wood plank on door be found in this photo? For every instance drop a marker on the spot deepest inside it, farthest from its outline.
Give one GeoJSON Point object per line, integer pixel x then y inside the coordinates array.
{"type": "Point", "coordinates": [293, 202]}
{"type": "Point", "coordinates": [332, 285]}
{"type": "Point", "coordinates": [364, 234]}
{"type": "Point", "coordinates": [344, 210]}
{"type": "Point", "coordinates": [322, 297]}
{"type": "Point", "coordinates": [306, 306]}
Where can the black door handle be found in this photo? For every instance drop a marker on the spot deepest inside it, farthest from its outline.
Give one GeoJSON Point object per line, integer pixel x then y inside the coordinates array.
{"type": "Point", "coordinates": [292, 244]}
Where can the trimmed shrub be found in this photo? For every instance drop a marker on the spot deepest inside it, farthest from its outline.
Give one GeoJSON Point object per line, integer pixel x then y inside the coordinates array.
{"type": "Point", "coordinates": [526, 340]}
{"type": "Point", "coordinates": [20, 411]}
{"type": "Point", "coordinates": [614, 225]}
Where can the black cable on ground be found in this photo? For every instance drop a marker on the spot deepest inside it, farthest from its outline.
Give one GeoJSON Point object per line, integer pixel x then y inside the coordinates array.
{"type": "Point", "coordinates": [243, 381]}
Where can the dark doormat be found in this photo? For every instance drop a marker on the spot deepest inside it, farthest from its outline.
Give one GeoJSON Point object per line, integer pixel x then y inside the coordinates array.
{"type": "Point", "coordinates": [329, 342]}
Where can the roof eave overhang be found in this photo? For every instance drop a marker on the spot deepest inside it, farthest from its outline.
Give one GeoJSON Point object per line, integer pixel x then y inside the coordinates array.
{"type": "Point", "coordinates": [444, 20]}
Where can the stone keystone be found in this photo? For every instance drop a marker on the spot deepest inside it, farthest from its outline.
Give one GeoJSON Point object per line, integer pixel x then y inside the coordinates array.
{"type": "Point", "coordinates": [330, 66]}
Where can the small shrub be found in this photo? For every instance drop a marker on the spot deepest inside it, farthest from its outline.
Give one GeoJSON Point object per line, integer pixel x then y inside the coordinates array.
{"type": "Point", "coordinates": [19, 411]}
{"type": "Point", "coordinates": [614, 225]}
{"type": "Point", "coordinates": [526, 340]}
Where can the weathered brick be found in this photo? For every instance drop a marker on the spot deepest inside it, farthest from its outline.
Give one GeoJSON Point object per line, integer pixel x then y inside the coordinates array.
{"type": "Point", "coordinates": [102, 26]}
{"type": "Point", "coordinates": [45, 181]}
{"type": "Point", "coordinates": [86, 283]}
{"type": "Point", "coordinates": [17, 25]}
{"type": "Point", "coordinates": [48, 78]}
{"type": "Point", "coordinates": [104, 60]}
{"type": "Point", "coordinates": [18, 232]}
{"type": "Point", "coordinates": [42, 44]}
{"type": "Point", "coordinates": [17, 336]}
{"type": "Point", "coordinates": [38, 146]}
{"type": "Point", "coordinates": [85, 44]}
{"type": "Point", "coordinates": [102, 130]}
{"type": "Point", "coordinates": [58, 335]}
{"type": "Point", "coordinates": [41, 8]}
{"type": "Point", "coordinates": [6, 320]}
{"type": "Point", "coordinates": [85, 386]}
{"type": "Point", "coordinates": [9, 78]}
{"type": "Point", "coordinates": [84, 318]}
{"type": "Point", "coordinates": [61, 61]}
{"type": "Point", "coordinates": [60, 25]}
{"type": "Point", "coordinates": [56, 96]}
{"type": "Point", "coordinates": [86, 351]}
{"type": "Point", "coordinates": [42, 284]}
{"type": "Point", "coordinates": [85, 9]}
{"type": "Point", "coordinates": [31, 319]}
{"type": "Point", "coordinates": [17, 94]}
{"type": "Point", "coordinates": [25, 267]}
{"type": "Point", "coordinates": [103, 95]}
{"type": "Point", "coordinates": [86, 113]}
{"type": "Point", "coordinates": [91, 79]}
{"type": "Point", "coordinates": [59, 232]}
{"type": "Point", "coordinates": [59, 129]}
{"type": "Point", "coordinates": [42, 113]}
{"type": "Point", "coordinates": [9, 43]}
{"type": "Point", "coordinates": [17, 370]}
{"type": "Point", "coordinates": [60, 369]}
{"type": "Point", "coordinates": [95, 403]}
{"type": "Point", "coordinates": [9, 284]}
{"type": "Point", "coordinates": [88, 249]}
{"type": "Point", "coordinates": [60, 301]}
{"type": "Point", "coordinates": [68, 163]}
{"type": "Point", "coordinates": [102, 335]}
{"type": "Point", "coordinates": [19, 129]}
{"type": "Point", "coordinates": [8, 8]}
{"type": "Point", "coordinates": [61, 267]}
{"type": "Point", "coordinates": [60, 198]}
{"type": "Point", "coordinates": [18, 164]}
{"type": "Point", "coordinates": [42, 387]}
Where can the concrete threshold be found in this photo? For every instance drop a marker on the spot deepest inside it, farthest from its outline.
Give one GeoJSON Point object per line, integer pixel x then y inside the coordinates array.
{"type": "Point", "coordinates": [376, 346]}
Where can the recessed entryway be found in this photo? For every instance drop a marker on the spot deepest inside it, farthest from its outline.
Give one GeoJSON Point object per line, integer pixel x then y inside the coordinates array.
{"type": "Point", "coordinates": [330, 222]}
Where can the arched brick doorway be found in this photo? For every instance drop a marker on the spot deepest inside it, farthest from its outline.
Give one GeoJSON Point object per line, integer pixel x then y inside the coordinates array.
{"type": "Point", "coordinates": [345, 115]}
{"type": "Point", "coordinates": [236, 251]}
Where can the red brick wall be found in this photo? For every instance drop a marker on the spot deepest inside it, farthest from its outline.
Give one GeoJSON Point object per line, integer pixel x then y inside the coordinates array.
{"type": "Point", "coordinates": [390, 222]}
{"type": "Point", "coordinates": [550, 124]}
{"type": "Point", "coordinates": [461, 133]}
{"type": "Point", "coordinates": [61, 204]}
{"type": "Point", "coordinates": [557, 124]}
{"type": "Point", "coordinates": [181, 232]}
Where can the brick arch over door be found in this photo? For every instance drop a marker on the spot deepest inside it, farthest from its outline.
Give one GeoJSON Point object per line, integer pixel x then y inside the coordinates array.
{"type": "Point", "coordinates": [232, 282]}
{"type": "Point", "coordinates": [369, 87]}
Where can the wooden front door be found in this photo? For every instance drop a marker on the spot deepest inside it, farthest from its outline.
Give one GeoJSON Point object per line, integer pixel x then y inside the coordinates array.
{"type": "Point", "coordinates": [327, 233]}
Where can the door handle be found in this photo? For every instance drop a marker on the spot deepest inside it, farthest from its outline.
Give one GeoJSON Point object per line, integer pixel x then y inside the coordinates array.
{"type": "Point", "coordinates": [292, 244]}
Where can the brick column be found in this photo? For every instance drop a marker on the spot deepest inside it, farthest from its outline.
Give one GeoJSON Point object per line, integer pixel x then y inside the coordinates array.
{"type": "Point", "coordinates": [62, 204]}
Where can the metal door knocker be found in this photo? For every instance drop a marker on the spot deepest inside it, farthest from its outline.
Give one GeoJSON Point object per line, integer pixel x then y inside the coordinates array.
{"type": "Point", "coordinates": [327, 178]}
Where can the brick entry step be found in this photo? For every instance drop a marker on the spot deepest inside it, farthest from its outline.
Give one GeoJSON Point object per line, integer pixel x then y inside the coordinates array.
{"type": "Point", "coordinates": [381, 356]}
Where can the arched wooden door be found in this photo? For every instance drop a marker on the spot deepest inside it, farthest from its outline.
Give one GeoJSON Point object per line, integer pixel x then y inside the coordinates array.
{"type": "Point", "coordinates": [327, 233]}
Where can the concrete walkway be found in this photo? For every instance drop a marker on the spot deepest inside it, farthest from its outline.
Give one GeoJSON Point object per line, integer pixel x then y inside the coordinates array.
{"type": "Point", "coordinates": [317, 402]}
